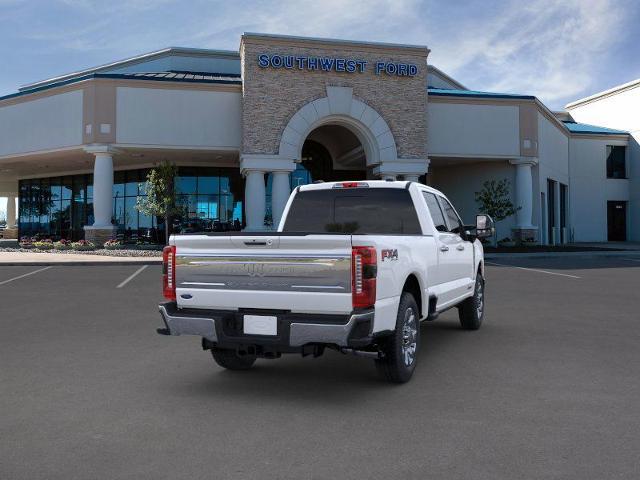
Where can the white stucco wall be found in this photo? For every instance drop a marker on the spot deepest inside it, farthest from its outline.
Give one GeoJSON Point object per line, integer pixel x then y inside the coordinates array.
{"type": "Point", "coordinates": [189, 118]}
{"type": "Point", "coordinates": [553, 163]}
{"type": "Point", "coordinates": [620, 111]}
{"type": "Point", "coordinates": [590, 189]}
{"type": "Point", "coordinates": [471, 129]}
{"type": "Point", "coordinates": [43, 124]}
{"type": "Point", "coordinates": [460, 182]}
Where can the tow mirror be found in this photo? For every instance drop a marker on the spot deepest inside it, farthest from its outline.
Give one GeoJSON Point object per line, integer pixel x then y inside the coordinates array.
{"type": "Point", "coordinates": [485, 227]}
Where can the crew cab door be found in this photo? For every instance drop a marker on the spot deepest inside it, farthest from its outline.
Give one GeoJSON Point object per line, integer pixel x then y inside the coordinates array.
{"type": "Point", "coordinates": [455, 256]}
{"type": "Point", "coordinates": [460, 251]}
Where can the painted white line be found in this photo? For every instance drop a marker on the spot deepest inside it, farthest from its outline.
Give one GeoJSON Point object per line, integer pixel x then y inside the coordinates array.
{"type": "Point", "coordinates": [533, 270]}
{"type": "Point", "coordinates": [132, 276]}
{"type": "Point", "coordinates": [25, 275]}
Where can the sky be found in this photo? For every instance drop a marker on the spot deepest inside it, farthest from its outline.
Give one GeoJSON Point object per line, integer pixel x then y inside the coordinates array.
{"type": "Point", "coordinates": [557, 50]}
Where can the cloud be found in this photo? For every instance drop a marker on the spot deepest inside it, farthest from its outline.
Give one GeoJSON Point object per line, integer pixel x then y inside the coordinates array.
{"type": "Point", "coordinates": [557, 50]}
{"type": "Point", "coordinates": [547, 48]}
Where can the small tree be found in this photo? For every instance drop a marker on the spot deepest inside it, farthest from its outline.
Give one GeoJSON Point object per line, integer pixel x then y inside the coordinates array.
{"type": "Point", "coordinates": [495, 199]}
{"type": "Point", "coordinates": [160, 199]}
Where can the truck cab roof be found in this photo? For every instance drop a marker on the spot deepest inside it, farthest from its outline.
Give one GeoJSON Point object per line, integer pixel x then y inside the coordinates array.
{"type": "Point", "coordinates": [366, 184]}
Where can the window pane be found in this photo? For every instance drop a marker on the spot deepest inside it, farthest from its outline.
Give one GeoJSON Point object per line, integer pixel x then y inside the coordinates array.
{"type": "Point", "coordinates": [66, 188]}
{"type": "Point", "coordinates": [185, 185]}
{"type": "Point", "coordinates": [374, 211]}
{"type": "Point", "coordinates": [616, 167]}
{"type": "Point", "coordinates": [90, 186]}
{"type": "Point", "coordinates": [208, 185]}
{"type": "Point", "coordinates": [455, 225]}
{"type": "Point", "coordinates": [79, 188]}
{"type": "Point", "coordinates": [56, 188]}
{"type": "Point", "coordinates": [435, 211]}
{"type": "Point", "coordinates": [118, 184]}
{"type": "Point", "coordinates": [119, 213]}
{"type": "Point", "coordinates": [131, 214]}
{"type": "Point", "coordinates": [131, 185]}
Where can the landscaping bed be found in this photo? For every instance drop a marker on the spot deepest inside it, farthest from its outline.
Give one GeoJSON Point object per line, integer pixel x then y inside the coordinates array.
{"type": "Point", "coordinates": [126, 252]}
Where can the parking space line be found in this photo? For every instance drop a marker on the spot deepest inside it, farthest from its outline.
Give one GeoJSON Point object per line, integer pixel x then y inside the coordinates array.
{"type": "Point", "coordinates": [132, 276]}
{"type": "Point", "coordinates": [533, 270]}
{"type": "Point", "coordinates": [25, 275]}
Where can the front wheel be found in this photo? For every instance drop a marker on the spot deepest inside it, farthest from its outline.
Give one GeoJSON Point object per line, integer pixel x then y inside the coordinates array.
{"type": "Point", "coordinates": [400, 350]}
{"type": "Point", "coordinates": [230, 360]}
{"type": "Point", "coordinates": [471, 311]}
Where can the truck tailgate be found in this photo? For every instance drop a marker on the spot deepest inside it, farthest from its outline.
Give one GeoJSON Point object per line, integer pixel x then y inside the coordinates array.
{"type": "Point", "coordinates": [299, 273]}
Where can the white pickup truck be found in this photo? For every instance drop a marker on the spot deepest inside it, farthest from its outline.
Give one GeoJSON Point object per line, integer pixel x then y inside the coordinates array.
{"type": "Point", "coordinates": [353, 266]}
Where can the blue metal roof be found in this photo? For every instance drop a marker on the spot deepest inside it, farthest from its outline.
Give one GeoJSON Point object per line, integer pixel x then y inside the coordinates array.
{"type": "Point", "coordinates": [575, 127]}
{"type": "Point", "coordinates": [188, 77]}
{"type": "Point", "coordinates": [444, 92]}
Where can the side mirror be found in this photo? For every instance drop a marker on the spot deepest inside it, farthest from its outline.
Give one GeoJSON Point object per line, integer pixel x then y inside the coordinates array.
{"type": "Point", "coordinates": [485, 227]}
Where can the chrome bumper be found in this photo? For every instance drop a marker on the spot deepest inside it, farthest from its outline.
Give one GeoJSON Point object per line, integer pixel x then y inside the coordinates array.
{"type": "Point", "coordinates": [182, 325]}
{"type": "Point", "coordinates": [303, 333]}
{"type": "Point", "coordinates": [293, 332]}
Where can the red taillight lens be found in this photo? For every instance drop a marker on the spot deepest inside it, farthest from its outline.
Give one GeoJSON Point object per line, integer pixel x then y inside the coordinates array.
{"type": "Point", "coordinates": [363, 276]}
{"type": "Point", "coordinates": [169, 272]}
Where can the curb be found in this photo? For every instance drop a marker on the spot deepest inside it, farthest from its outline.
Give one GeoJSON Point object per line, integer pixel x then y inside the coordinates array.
{"type": "Point", "coordinates": [595, 253]}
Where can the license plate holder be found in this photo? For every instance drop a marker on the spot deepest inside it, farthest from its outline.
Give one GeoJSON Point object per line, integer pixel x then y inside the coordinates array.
{"type": "Point", "coordinates": [260, 325]}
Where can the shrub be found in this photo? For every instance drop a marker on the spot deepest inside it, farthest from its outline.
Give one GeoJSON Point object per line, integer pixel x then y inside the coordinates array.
{"type": "Point", "coordinates": [83, 245]}
{"type": "Point", "coordinates": [62, 245]}
{"type": "Point", "coordinates": [113, 244]}
{"type": "Point", "coordinates": [46, 244]}
{"type": "Point", "coordinates": [26, 242]}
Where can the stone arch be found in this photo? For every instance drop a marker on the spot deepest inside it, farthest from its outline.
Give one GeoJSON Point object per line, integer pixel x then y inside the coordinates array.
{"type": "Point", "coordinates": [339, 107]}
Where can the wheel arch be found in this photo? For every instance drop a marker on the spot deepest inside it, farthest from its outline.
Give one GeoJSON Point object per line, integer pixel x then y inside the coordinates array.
{"type": "Point", "coordinates": [413, 286]}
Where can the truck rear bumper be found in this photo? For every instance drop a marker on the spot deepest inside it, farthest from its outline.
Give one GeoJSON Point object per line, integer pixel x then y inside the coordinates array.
{"type": "Point", "coordinates": [225, 327]}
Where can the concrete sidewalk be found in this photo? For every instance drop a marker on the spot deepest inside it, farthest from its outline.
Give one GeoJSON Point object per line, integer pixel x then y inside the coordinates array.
{"type": "Point", "coordinates": [36, 259]}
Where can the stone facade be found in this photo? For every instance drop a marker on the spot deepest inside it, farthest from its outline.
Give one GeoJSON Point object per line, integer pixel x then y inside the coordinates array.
{"type": "Point", "coordinates": [272, 96]}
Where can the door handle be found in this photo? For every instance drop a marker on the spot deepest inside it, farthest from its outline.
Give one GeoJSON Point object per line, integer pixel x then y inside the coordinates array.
{"type": "Point", "coordinates": [444, 248]}
{"type": "Point", "coordinates": [460, 247]}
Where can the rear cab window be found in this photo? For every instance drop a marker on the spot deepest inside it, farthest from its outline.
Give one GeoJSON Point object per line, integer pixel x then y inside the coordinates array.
{"type": "Point", "coordinates": [362, 210]}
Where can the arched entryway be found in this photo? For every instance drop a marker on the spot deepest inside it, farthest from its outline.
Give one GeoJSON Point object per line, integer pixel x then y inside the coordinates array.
{"type": "Point", "coordinates": [337, 137]}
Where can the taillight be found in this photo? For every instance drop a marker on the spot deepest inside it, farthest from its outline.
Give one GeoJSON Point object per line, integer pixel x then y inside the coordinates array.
{"type": "Point", "coordinates": [363, 276]}
{"type": "Point", "coordinates": [169, 272]}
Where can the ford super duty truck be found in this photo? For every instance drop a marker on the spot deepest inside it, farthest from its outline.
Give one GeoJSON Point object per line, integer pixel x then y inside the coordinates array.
{"type": "Point", "coordinates": [353, 266]}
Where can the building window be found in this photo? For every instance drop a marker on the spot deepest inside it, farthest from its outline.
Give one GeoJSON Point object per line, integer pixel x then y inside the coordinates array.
{"type": "Point", "coordinates": [211, 200]}
{"type": "Point", "coordinates": [616, 161]}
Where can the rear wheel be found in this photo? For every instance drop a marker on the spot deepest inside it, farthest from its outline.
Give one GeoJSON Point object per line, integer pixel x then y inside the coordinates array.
{"type": "Point", "coordinates": [230, 360]}
{"type": "Point", "coordinates": [471, 311]}
{"type": "Point", "coordinates": [401, 349]}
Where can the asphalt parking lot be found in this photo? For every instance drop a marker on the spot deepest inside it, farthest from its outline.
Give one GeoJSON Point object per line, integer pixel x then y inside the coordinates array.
{"type": "Point", "coordinates": [548, 388]}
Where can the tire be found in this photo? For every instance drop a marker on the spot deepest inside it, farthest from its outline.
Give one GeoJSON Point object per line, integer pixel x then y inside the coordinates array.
{"type": "Point", "coordinates": [471, 311]}
{"type": "Point", "coordinates": [230, 360]}
{"type": "Point", "coordinates": [401, 348]}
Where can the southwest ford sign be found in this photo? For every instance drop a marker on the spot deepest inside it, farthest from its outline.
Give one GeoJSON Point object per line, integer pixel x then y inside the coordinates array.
{"type": "Point", "coordinates": [333, 64]}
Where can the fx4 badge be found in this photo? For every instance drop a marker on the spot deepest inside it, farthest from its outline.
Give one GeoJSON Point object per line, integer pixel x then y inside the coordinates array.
{"type": "Point", "coordinates": [390, 254]}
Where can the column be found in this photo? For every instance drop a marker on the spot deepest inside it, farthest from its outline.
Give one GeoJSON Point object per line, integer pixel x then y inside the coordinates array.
{"type": "Point", "coordinates": [254, 197]}
{"type": "Point", "coordinates": [280, 190]}
{"type": "Point", "coordinates": [102, 228]}
{"type": "Point", "coordinates": [525, 230]}
{"type": "Point", "coordinates": [11, 211]}
{"type": "Point", "coordinates": [103, 190]}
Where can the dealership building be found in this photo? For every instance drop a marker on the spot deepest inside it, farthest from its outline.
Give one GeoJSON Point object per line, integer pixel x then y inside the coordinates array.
{"type": "Point", "coordinates": [246, 127]}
